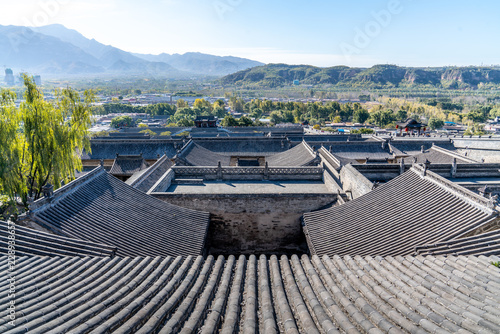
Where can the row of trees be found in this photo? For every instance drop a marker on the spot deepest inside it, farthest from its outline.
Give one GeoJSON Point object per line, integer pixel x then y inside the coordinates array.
{"type": "Point", "coordinates": [389, 111]}
{"type": "Point", "coordinates": [40, 141]}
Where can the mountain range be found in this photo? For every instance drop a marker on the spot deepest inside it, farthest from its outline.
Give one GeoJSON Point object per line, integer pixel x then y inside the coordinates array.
{"type": "Point", "coordinates": [56, 50]}
{"type": "Point", "coordinates": [378, 76]}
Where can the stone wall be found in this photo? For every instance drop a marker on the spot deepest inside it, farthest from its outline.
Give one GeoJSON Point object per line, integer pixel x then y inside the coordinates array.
{"type": "Point", "coordinates": [354, 181]}
{"type": "Point", "coordinates": [479, 148]}
{"type": "Point", "coordinates": [248, 173]}
{"type": "Point", "coordinates": [253, 223]}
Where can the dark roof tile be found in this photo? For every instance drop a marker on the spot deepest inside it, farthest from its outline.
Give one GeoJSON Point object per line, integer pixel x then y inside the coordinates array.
{"type": "Point", "coordinates": [101, 208]}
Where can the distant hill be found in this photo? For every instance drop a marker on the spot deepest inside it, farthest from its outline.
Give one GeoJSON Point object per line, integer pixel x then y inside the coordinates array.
{"type": "Point", "coordinates": [276, 75]}
{"type": "Point", "coordinates": [57, 50]}
{"type": "Point", "coordinates": [201, 63]}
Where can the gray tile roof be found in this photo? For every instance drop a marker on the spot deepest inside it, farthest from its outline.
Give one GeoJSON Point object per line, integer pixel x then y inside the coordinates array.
{"type": "Point", "coordinates": [252, 146]}
{"type": "Point", "coordinates": [300, 155]}
{"type": "Point", "coordinates": [149, 148]}
{"type": "Point", "coordinates": [148, 177]}
{"type": "Point", "coordinates": [127, 165]}
{"type": "Point", "coordinates": [193, 154]}
{"type": "Point", "coordinates": [29, 241]}
{"type": "Point", "coordinates": [481, 244]}
{"type": "Point", "coordinates": [405, 212]}
{"type": "Point", "coordinates": [249, 295]}
{"type": "Point", "coordinates": [414, 146]}
{"type": "Point", "coordinates": [100, 208]}
{"type": "Point", "coordinates": [438, 155]}
{"type": "Point", "coordinates": [360, 150]}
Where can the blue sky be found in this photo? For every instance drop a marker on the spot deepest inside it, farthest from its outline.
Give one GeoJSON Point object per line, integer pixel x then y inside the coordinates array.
{"type": "Point", "coordinates": [322, 33]}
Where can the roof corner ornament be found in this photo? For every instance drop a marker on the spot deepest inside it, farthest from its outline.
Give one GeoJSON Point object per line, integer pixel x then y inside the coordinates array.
{"type": "Point", "coordinates": [375, 185]}
{"type": "Point", "coordinates": [401, 166]}
{"type": "Point", "coordinates": [484, 191]}
{"type": "Point", "coordinates": [384, 144]}
{"type": "Point", "coordinates": [48, 191]}
{"type": "Point", "coordinates": [101, 162]}
{"type": "Point", "coordinates": [30, 200]}
{"type": "Point", "coordinates": [427, 164]}
{"type": "Point", "coordinates": [453, 168]}
{"type": "Point", "coordinates": [492, 202]}
{"type": "Point", "coordinates": [219, 171]}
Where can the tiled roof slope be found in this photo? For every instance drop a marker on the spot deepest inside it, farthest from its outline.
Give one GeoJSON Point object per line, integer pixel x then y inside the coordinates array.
{"type": "Point", "coordinates": [414, 146]}
{"type": "Point", "coordinates": [252, 146]}
{"type": "Point", "coordinates": [254, 295]}
{"type": "Point", "coordinates": [104, 209]}
{"type": "Point", "coordinates": [148, 177]}
{"type": "Point", "coordinates": [128, 164]}
{"type": "Point", "coordinates": [408, 211]}
{"type": "Point", "coordinates": [481, 244]}
{"type": "Point", "coordinates": [32, 242]}
{"type": "Point", "coordinates": [149, 148]}
{"type": "Point", "coordinates": [195, 155]}
{"type": "Point", "coordinates": [438, 155]}
{"type": "Point", "coordinates": [300, 155]}
{"type": "Point", "coordinates": [360, 150]}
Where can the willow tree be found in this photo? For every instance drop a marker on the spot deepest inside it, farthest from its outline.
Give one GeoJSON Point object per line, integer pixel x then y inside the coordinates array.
{"type": "Point", "coordinates": [9, 144]}
{"type": "Point", "coordinates": [48, 139]}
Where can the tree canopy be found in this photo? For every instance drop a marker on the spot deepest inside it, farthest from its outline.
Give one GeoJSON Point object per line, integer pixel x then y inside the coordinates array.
{"type": "Point", "coordinates": [41, 142]}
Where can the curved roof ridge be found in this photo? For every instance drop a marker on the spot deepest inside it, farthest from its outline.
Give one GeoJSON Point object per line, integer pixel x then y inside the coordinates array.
{"type": "Point", "coordinates": [453, 154]}
{"type": "Point", "coordinates": [299, 155]}
{"type": "Point", "coordinates": [107, 210]}
{"type": "Point", "coordinates": [66, 189]}
{"type": "Point", "coordinates": [30, 241]}
{"type": "Point", "coordinates": [481, 203]}
{"type": "Point", "coordinates": [197, 155]}
{"type": "Point", "coordinates": [135, 181]}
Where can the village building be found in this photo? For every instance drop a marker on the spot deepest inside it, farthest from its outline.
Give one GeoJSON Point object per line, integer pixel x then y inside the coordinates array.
{"type": "Point", "coordinates": [276, 232]}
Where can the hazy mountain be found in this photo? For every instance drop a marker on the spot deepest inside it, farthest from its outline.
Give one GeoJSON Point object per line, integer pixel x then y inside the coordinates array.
{"type": "Point", "coordinates": [22, 48]}
{"type": "Point", "coordinates": [276, 75]}
{"type": "Point", "coordinates": [201, 63]}
{"type": "Point", "coordinates": [57, 50]}
{"type": "Point", "coordinates": [107, 54]}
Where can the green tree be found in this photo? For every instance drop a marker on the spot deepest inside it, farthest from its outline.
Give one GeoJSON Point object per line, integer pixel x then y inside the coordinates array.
{"type": "Point", "coordinates": [360, 116]}
{"type": "Point", "coordinates": [229, 120]}
{"type": "Point", "coordinates": [203, 105]}
{"type": "Point", "coordinates": [276, 117]}
{"type": "Point", "coordinates": [245, 121]}
{"type": "Point", "coordinates": [256, 113]}
{"type": "Point", "coordinates": [48, 139]}
{"type": "Point", "coordinates": [435, 123]}
{"type": "Point", "coordinates": [364, 131]}
{"type": "Point", "coordinates": [219, 104]}
{"type": "Point", "coordinates": [219, 112]}
{"type": "Point", "coordinates": [185, 122]}
{"type": "Point", "coordinates": [182, 104]}
{"type": "Point", "coordinates": [149, 132]}
{"type": "Point", "coordinates": [122, 122]}
{"type": "Point", "coordinates": [183, 113]}
{"type": "Point", "coordinates": [402, 115]}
